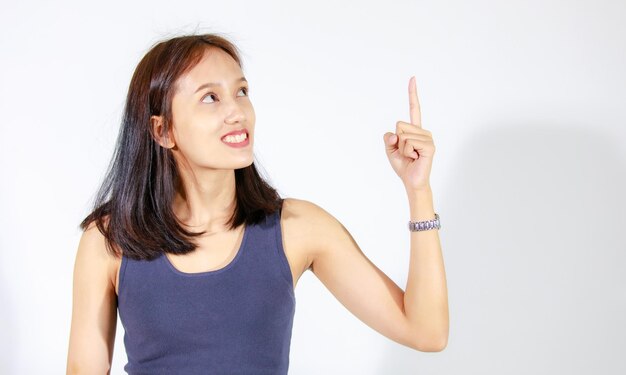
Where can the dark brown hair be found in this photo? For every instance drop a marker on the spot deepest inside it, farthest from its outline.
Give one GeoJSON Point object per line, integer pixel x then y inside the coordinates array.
{"type": "Point", "coordinates": [133, 206]}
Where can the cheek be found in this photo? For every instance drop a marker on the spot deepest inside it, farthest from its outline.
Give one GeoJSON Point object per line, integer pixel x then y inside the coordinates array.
{"type": "Point", "coordinates": [251, 116]}
{"type": "Point", "coordinates": [194, 139]}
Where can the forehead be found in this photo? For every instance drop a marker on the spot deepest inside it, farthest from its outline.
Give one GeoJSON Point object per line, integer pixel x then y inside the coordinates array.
{"type": "Point", "coordinates": [216, 65]}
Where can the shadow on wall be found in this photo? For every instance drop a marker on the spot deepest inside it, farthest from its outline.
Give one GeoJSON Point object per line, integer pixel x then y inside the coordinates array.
{"type": "Point", "coordinates": [533, 225]}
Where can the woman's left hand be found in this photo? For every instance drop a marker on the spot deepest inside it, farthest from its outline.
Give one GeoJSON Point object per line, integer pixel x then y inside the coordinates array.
{"type": "Point", "coordinates": [411, 149]}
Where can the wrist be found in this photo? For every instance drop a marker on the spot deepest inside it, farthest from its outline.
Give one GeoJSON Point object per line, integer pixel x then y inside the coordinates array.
{"type": "Point", "coordinates": [421, 225]}
{"type": "Point", "coordinates": [421, 205]}
{"type": "Point", "coordinates": [418, 190]}
{"type": "Point", "coordinates": [419, 195]}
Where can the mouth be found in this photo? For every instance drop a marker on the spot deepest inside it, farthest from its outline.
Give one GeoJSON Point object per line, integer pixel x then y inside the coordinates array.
{"type": "Point", "coordinates": [238, 138]}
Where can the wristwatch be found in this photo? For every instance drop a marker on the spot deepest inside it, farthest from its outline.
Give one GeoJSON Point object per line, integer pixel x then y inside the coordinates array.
{"type": "Point", "coordinates": [416, 226]}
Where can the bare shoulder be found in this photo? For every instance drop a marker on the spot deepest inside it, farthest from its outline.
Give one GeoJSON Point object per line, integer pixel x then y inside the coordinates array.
{"type": "Point", "coordinates": [303, 210]}
{"type": "Point", "coordinates": [92, 249]}
{"type": "Point", "coordinates": [308, 225]}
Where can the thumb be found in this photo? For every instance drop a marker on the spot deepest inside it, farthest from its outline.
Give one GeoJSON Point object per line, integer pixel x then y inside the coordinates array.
{"type": "Point", "coordinates": [390, 141]}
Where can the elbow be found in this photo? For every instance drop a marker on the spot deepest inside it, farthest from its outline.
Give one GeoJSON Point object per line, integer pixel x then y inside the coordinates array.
{"type": "Point", "coordinates": [431, 337]}
{"type": "Point", "coordinates": [431, 345]}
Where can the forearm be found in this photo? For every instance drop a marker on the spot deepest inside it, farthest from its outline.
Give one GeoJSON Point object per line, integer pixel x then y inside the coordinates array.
{"type": "Point", "coordinates": [426, 296]}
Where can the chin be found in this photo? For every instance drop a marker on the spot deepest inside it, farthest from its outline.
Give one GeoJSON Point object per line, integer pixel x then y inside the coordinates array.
{"type": "Point", "coordinates": [245, 164]}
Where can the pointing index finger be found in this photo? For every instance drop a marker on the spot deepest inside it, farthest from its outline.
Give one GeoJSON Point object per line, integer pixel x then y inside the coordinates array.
{"type": "Point", "coordinates": [414, 104]}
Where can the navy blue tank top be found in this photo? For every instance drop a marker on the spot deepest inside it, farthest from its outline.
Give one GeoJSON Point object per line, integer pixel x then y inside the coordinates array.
{"type": "Point", "coordinates": [234, 320]}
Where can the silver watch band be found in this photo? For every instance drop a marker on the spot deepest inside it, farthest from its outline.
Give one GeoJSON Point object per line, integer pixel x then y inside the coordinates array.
{"type": "Point", "coordinates": [416, 226]}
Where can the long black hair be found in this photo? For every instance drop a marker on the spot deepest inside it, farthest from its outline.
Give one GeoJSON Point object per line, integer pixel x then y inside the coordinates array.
{"type": "Point", "coordinates": [133, 206]}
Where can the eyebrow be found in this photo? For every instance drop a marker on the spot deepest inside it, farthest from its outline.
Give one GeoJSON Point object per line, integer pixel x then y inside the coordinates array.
{"type": "Point", "coordinates": [209, 84]}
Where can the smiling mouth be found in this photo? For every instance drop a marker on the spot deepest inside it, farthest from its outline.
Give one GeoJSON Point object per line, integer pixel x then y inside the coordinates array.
{"type": "Point", "coordinates": [236, 139]}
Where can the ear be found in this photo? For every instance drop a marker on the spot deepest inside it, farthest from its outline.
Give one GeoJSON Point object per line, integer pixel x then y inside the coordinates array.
{"type": "Point", "coordinates": [157, 127]}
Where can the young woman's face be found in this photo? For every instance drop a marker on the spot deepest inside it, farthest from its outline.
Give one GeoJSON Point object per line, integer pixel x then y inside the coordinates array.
{"type": "Point", "coordinates": [210, 101]}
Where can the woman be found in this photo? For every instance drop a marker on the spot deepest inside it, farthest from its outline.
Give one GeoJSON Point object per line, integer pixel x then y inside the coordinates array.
{"type": "Point", "coordinates": [201, 256]}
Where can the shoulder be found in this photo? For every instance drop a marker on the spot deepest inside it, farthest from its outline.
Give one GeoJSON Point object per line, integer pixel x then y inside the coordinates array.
{"type": "Point", "coordinates": [94, 254]}
{"type": "Point", "coordinates": [314, 226]}
{"type": "Point", "coordinates": [306, 212]}
{"type": "Point", "coordinates": [92, 236]}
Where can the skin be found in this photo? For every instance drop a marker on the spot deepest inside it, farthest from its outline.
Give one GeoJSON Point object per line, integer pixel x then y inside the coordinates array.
{"type": "Point", "coordinates": [312, 238]}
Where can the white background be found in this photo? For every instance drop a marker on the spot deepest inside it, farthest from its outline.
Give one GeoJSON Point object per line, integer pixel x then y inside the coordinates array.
{"type": "Point", "coordinates": [525, 100]}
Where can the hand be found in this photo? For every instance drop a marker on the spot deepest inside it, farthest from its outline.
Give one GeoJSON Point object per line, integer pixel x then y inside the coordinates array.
{"type": "Point", "coordinates": [411, 149]}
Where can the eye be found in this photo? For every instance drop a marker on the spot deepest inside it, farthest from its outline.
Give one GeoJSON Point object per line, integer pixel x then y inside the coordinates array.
{"type": "Point", "coordinates": [245, 89]}
{"type": "Point", "coordinates": [213, 96]}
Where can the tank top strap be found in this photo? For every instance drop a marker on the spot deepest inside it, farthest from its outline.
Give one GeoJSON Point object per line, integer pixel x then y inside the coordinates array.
{"type": "Point", "coordinates": [267, 248]}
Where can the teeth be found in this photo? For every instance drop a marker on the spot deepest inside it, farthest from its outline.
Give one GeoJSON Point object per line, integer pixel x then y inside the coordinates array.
{"type": "Point", "coordinates": [236, 138]}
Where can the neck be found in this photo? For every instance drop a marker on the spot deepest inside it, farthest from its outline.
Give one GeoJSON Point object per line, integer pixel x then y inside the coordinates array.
{"type": "Point", "coordinates": [205, 200]}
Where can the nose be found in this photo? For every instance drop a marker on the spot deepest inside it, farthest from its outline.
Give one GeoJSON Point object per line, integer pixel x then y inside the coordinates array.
{"type": "Point", "coordinates": [235, 113]}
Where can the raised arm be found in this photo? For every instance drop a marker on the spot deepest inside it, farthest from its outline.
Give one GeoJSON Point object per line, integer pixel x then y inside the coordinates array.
{"type": "Point", "coordinates": [94, 307]}
{"type": "Point", "coordinates": [418, 316]}
{"type": "Point", "coordinates": [368, 293]}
